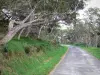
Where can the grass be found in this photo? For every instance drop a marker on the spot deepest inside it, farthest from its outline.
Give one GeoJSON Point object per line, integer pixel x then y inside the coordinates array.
{"type": "Point", "coordinates": [93, 50]}
{"type": "Point", "coordinates": [38, 63]}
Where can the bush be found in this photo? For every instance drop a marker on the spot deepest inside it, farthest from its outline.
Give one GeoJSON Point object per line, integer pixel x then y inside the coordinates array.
{"type": "Point", "coordinates": [80, 44]}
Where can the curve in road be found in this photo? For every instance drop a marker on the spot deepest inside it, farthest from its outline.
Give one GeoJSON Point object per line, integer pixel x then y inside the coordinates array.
{"type": "Point", "coordinates": [77, 62]}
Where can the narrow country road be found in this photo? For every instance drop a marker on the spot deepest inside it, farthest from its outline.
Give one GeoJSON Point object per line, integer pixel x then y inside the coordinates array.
{"type": "Point", "coordinates": [77, 62]}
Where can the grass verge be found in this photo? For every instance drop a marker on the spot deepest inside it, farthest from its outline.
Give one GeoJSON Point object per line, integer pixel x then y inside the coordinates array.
{"type": "Point", "coordinates": [39, 62]}
{"type": "Point", "coordinates": [93, 50]}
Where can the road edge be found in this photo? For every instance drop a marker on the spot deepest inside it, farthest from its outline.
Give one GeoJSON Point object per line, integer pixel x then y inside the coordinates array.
{"type": "Point", "coordinates": [58, 62]}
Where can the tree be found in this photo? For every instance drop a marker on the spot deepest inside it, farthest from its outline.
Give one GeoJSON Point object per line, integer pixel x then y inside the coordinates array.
{"type": "Point", "coordinates": [41, 13]}
{"type": "Point", "coordinates": [86, 30]}
{"type": "Point", "coordinates": [93, 16]}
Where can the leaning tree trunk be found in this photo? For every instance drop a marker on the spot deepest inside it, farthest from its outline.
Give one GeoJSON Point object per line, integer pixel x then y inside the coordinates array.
{"type": "Point", "coordinates": [13, 30]}
{"type": "Point", "coordinates": [9, 35]}
{"type": "Point", "coordinates": [20, 33]}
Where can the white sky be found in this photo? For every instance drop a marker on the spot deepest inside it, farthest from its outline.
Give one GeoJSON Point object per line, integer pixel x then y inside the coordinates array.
{"type": "Point", "coordinates": [90, 3]}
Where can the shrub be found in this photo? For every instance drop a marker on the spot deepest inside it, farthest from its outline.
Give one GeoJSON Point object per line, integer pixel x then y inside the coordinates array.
{"type": "Point", "coordinates": [80, 44]}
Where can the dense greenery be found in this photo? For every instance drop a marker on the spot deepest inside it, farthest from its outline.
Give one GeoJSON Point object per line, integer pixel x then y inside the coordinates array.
{"type": "Point", "coordinates": [43, 57]}
{"type": "Point", "coordinates": [80, 44]}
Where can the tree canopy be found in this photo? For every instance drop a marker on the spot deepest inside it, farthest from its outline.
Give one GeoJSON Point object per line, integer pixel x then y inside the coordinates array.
{"type": "Point", "coordinates": [26, 14]}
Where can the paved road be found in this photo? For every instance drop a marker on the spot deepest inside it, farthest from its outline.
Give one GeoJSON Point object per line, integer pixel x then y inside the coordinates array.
{"type": "Point", "coordinates": [77, 62]}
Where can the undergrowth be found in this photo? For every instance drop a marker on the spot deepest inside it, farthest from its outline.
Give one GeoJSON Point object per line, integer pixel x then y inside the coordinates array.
{"type": "Point", "coordinates": [40, 60]}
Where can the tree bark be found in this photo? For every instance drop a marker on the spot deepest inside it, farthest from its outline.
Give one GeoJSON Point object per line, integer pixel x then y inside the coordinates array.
{"type": "Point", "coordinates": [40, 31]}
{"type": "Point", "coordinates": [15, 29]}
{"type": "Point", "coordinates": [9, 36]}
{"type": "Point", "coordinates": [20, 33]}
{"type": "Point", "coordinates": [28, 31]}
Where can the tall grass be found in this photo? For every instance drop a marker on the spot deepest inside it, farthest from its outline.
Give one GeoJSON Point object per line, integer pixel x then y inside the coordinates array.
{"type": "Point", "coordinates": [38, 63]}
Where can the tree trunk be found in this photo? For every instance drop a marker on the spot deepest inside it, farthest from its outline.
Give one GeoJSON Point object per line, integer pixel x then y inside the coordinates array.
{"type": "Point", "coordinates": [40, 31]}
{"type": "Point", "coordinates": [96, 42]}
{"type": "Point", "coordinates": [9, 36]}
{"type": "Point", "coordinates": [20, 33]}
{"type": "Point", "coordinates": [28, 31]}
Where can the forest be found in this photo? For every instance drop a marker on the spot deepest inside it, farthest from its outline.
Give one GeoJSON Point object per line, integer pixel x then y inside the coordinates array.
{"type": "Point", "coordinates": [31, 34]}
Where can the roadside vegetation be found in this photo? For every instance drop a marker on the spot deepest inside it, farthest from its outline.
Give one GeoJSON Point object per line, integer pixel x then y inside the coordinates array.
{"type": "Point", "coordinates": [95, 51]}
{"type": "Point", "coordinates": [30, 57]}
{"type": "Point", "coordinates": [44, 19]}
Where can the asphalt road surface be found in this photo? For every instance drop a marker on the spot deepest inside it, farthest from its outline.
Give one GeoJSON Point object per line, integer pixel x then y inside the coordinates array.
{"type": "Point", "coordinates": [77, 62]}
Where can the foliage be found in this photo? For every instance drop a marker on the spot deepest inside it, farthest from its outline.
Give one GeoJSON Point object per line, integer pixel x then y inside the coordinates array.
{"type": "Point", "coordinates": [86, 30]}
{"type": "Point", "coordinates": [28, 16]}
{"type": "Point", "coordinates": [80, 44]}
{"type": "Point", "coordinates": [38, 63]}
